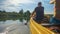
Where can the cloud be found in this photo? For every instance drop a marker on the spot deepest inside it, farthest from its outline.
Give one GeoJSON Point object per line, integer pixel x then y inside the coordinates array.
{"type": "Point", "coordinates": [17, 2]}
{"type": "Point", "coordinates": [14, 4]}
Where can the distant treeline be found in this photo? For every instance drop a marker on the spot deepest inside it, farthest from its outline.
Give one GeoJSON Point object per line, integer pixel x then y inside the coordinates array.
{"type": "Point", "coordinates": [21, 14]}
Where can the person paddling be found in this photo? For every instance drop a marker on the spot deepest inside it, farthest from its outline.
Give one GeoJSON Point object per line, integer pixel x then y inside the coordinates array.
{"type": "Point", "coordinates": [39, 10]}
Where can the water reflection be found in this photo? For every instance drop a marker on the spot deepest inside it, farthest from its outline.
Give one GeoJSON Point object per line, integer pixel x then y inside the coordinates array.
{"type": "Point", "coordinates": [9, 20]}
{"type": "Point", "coordinates": [21, 19]}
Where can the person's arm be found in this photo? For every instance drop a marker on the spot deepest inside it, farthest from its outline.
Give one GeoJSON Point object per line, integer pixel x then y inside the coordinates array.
{"type": "Point", "coordinates": [42, 11]}
{"type": "Point", "coordinates": [34, 12]}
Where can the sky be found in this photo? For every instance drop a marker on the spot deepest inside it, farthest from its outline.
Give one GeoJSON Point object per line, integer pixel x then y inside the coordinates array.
{"type": "Point", "coordinates": [17, 5]}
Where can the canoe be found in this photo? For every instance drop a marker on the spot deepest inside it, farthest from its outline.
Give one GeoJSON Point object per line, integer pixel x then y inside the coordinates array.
{"type": "Point", "coordinates": [36, 28]}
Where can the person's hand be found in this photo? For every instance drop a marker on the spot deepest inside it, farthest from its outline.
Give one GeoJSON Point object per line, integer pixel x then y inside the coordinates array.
{"type": "Point", "coordinates": [31, 16]}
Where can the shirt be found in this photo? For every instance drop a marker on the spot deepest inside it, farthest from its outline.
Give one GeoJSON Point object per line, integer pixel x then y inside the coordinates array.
{"type": "Point", "coordinates": [39, 12]}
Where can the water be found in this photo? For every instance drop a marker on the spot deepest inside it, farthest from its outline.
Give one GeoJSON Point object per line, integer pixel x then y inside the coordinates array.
{"type": "Point", "coordinates": [13, 27]}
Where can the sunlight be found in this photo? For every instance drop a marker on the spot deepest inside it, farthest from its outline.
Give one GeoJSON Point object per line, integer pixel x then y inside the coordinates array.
{"type": "Point", "coordinates": [16, 2]}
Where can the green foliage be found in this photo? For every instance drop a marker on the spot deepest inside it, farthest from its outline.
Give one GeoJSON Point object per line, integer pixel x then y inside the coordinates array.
{"type": "Point", "coordinates": [21, 14]}
{"type": "Point", "coordinates": [27, 15]}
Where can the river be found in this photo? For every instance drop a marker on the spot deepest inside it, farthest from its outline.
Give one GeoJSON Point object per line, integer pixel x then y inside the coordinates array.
{"type": "Point", "coordinates": [14, 27]}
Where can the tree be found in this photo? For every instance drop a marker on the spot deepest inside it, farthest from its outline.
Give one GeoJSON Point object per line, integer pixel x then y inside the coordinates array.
{"type": "Point", "coordinates": [4, 11]}
{"type": "Point", "coordinates": [27, 15]}
{"type": "Point", "coordinates": [0, 11]}
{"type": "Point", "coordinates": [21, 12]}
